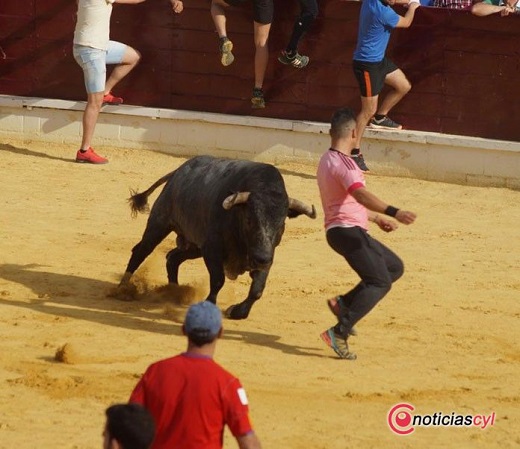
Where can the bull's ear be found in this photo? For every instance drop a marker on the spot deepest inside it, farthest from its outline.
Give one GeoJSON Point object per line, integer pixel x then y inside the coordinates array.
{"type": "Point", "coordinates": [297, 208]}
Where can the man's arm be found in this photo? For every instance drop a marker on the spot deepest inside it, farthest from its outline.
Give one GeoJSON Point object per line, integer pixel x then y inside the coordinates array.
{"type": "Point", "coordinates": [373, 203]}
{"type": "Point", "coordinates": [249, 441]}
{"type": "Point", "coordinates": [482, 9]}
{"type": "Point", "coordinates": [406, 21]}
{"type": "Point", "coordinates": [127, 2]}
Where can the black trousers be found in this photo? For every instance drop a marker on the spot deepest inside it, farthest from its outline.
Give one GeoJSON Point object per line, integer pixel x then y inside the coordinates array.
{"type": "Point", "coordinates": [376, 265]}
{"type": "Point", "coordinates": [309, 11]}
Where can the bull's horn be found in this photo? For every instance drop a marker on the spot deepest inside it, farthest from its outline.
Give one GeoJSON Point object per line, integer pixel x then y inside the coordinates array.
{"type": "Point", "coordinates": [302, 208]}
{"type": "Point", "coordinates": [236, 198]}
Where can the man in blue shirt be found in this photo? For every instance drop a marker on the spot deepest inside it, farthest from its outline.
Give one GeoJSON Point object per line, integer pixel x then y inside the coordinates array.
{"type": "Point", "coordinates": [373, 69]}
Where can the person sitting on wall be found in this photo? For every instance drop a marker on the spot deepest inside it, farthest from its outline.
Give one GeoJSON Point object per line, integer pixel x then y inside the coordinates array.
{"type": "Point", "coordinates": [373, 69]}
{"type": "Point", "coordinates": [93, 50]}
{"type": "Point", "coordinates": [262, 19]}
{"type": "Point", "coordinates": [290, 56]}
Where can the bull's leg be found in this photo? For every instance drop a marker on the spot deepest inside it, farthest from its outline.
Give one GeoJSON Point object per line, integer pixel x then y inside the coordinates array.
{"type": "Point", "coordinates": [215, 266]}
{"type": "Point", "coordinates": [152, 236]}
{"type": "Point", "coordinates": [241, 311]}
{"type": "Point", "coordinates": [176, 257]}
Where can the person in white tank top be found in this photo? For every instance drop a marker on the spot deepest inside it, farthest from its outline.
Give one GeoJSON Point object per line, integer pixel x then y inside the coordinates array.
{"type": "Point", "coordinates": [93, 51]}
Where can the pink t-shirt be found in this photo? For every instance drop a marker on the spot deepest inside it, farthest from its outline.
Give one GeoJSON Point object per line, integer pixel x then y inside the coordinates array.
{"type": "Point", "coordinates": [338, 176]}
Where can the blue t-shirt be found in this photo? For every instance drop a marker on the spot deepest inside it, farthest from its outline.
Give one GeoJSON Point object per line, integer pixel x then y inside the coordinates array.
{"type": "Point", "coordinates": [376, 21]}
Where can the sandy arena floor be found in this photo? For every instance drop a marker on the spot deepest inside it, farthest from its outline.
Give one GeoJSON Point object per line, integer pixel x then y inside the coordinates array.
{"type": "Point", "coordinates": [445, 339]}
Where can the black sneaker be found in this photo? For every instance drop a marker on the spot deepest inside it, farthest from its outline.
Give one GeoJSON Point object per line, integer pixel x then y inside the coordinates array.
{"type": "Point", "coordinates": [297, 61]}
{"type": "Point", "coordinates": [226, 57]}
{"type": "Point", "coordinates": [360, 161]}
{"type": "Point", "coordinates": [257, 100]}
{"type": "Point", "coordinates": [385, 123]}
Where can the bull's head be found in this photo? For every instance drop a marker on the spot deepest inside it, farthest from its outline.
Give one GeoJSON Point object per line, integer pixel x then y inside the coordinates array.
{"type": "Point", "coordinates": [264, 223]}
{"type": "Point", "coordinates": [296, 207]}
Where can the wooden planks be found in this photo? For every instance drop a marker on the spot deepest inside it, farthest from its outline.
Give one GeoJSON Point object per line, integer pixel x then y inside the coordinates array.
{"type": "Point", "coordinates": [462, 67]}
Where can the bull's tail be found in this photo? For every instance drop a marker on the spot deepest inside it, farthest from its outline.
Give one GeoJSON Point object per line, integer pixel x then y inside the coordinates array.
{"type": "Point", "coordinates": [139, 201]}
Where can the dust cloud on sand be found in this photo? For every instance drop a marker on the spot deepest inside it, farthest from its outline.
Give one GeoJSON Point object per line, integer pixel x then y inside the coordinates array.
{"type": "Point", "coordinates": [445, 339]}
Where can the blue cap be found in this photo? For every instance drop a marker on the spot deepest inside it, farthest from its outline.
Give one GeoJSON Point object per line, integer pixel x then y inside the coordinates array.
{"type": "Point", "coordinates": [203, 319]}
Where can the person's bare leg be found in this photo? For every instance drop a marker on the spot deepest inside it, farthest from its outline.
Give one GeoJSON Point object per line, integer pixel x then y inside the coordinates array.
{"type": "Point", "coordinates": [261, 36]}
{"type": "Point", "coordinates": [130, 59]}
{"type": "Point", "coordinates": [400, 87]}
{"type": "Point", "coordinates": [90, 116]}
{"type": "Point", "coordinates": [218, 14]}
{"type": "Point", "coordinates": [368, 109]}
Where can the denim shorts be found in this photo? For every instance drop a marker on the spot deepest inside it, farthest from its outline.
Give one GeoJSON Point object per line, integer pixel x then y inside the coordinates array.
{"type": "Point", "coordinates": [94, 62]}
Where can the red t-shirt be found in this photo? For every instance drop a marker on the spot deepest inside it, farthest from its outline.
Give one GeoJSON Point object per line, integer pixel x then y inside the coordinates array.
{"type": "Point", "coordinates": [192, 398]}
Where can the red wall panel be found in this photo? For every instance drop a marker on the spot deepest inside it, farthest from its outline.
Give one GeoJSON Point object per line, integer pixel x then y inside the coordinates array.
{"type": "Point", "coordinates": [461, 67]}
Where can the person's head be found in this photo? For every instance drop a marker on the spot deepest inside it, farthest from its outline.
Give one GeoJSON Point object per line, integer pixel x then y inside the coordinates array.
{"type": "Point", "coordinates": [343, 124]}
{"type": "Point", "coordinates": [203, 323]}
{"type": "Point", "coordinates": [128, 426]}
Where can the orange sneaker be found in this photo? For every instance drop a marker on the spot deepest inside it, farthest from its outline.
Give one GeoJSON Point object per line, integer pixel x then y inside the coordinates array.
{"type": "Point", "coordinates": [110, 99]}
{"type": "Point", "coordinates": [90, 157]}
{"type": "Point", "coordinates": [338, 344]}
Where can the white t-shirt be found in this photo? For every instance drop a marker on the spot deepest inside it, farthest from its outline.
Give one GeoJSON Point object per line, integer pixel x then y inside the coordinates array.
{"type": "Point", "coordinates": [93, 24]}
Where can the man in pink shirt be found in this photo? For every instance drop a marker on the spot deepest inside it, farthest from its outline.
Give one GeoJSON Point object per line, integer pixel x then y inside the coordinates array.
{"type": "Point", "coordinates": [348, 207]}
{"type": "Point", "coordinates": [190, 396]}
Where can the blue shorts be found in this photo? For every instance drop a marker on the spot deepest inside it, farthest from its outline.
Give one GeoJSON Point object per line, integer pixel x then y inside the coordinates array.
{"type": "Point", "coordinates": [94, 62]}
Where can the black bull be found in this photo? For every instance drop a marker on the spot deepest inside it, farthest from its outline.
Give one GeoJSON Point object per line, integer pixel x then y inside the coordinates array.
{"type": "Point", "coordinates": [229, 212]}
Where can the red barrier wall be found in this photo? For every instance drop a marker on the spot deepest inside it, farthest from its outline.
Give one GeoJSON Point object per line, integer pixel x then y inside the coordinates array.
{"type": "Point", "coordinates": [463, 68]}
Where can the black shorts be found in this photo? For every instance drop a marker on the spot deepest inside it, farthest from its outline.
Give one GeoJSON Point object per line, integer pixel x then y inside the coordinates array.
{"type": "Point", "coordinates": [371, 75]}
{"type": "Point", "coordinates": [262, 9]}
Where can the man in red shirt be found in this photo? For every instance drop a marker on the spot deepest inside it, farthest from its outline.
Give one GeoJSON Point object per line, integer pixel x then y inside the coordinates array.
{"type": "Point", "coordinates": [190, 396]}
{"type": "Point", "coordinates": [348, 207]}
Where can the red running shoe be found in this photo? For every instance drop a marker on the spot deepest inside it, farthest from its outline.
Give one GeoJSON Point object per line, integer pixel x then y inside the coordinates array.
{"type": "Point", "coordinates": [338, 344]}
{"type": "Point", "coordinates": [110, 99]}
{"type": "Point", "coordinates": [90, 157]}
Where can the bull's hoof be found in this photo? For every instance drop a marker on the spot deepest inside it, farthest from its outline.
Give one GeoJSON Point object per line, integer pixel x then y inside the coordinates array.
{"type": "Point", "coordinates": [237, 312]}
{"type": "Point", "coordinates": [124, 292]}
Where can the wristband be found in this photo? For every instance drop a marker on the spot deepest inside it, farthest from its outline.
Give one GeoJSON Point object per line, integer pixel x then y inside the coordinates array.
{"type": "Point", "coordinates": [391, 211]}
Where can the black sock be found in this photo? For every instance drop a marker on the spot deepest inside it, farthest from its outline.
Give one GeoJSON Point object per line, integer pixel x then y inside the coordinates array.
{"type": "Point", "coordinates": [379, 116]}
{"type": "Point", "coordinates": [291, 54]}
{"type": "Point", "coordinates": [354, 151]}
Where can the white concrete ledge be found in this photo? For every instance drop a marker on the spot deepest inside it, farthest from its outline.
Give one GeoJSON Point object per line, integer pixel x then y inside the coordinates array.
{"type": "Point", "coordinates": [424, 155]}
